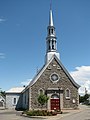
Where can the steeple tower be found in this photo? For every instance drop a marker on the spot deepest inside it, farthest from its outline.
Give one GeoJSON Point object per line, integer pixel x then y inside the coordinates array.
{"type": "Point", "coordinates": [51, 39]}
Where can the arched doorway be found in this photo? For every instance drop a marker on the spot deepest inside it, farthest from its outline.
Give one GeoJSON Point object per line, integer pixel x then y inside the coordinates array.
{"type": "Point", "coordinates": [55, 102]}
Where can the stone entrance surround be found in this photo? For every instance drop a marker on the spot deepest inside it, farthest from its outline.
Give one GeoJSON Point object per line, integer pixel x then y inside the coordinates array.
{"type": "Point", "coordinates": [55, 91]}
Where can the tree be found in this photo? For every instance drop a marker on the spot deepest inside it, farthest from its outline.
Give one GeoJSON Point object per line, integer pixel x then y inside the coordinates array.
{"type": "Point", "coordinates": [86, 96]}
{"type": "Point", "coordinates": [3, 93]}
{"type": "Point", "coordinates": [42, 99]}
{"type": "Point", "coordinates": [83, 99]}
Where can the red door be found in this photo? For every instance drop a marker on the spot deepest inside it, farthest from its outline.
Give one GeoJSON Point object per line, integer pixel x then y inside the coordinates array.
{"type": "Point", "coordinates": [55, 104]}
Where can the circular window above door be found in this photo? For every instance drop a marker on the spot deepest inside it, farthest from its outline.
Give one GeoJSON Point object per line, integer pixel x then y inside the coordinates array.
{"type": "Point", "coordinates": [54, 77]}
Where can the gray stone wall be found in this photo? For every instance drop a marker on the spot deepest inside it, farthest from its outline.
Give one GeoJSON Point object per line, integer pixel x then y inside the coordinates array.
{"type": "Point", "coordinates": [45, 83]}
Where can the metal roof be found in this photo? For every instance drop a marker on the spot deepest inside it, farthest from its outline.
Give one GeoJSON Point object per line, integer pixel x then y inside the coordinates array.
{"type": "Point", "coordinates": [15, 90]}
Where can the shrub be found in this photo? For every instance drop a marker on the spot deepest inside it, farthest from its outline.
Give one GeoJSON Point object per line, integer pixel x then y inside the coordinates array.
{"type": "Point", "coordinates": [40, 113]}
{"type": "Point", "coordinates": [42, 99]}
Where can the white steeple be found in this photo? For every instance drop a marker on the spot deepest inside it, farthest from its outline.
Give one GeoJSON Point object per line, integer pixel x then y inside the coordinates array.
{"type": "Point", "coordinates": [50, 18]}
{"type": "Point", "coordinates": [51, 39]}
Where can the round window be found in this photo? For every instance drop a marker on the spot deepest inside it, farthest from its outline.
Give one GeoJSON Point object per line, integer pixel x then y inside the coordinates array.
{"type": "Point", "coordinates": [54, 77]}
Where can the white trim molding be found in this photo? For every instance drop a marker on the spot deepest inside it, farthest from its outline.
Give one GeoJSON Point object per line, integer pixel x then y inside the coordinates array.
{"type": "Point", "coordinates": [67, 93]}
{"type": "Point", "coordinates": [39, 91]}
{"type": "Point", "coordinates": [53, 80]}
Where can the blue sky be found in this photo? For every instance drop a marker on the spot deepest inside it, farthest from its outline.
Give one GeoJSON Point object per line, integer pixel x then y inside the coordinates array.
{"type": "Point", "coordinates": [23, 31]}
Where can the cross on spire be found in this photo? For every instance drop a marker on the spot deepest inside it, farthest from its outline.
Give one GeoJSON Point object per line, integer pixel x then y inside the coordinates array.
{"type": "Point", "coordinates": [51, 5]}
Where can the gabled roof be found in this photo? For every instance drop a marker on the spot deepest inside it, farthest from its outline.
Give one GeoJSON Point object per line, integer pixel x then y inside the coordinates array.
{"type": "Point", "coordinates": [67, 73]}
{"type": "Point", "coordinates": [46, 65]}
{"type": "Point", "coordinates": [15, 90]}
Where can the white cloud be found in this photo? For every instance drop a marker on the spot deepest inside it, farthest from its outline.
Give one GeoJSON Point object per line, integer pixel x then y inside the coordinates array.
{"type": "Point", "coordinates": [2, 55]}
{"type": "Point", "coordinates": [2, 20]}
{"type": "Point", "coordinates": [82, 76]}
{"type": "Point", "coordinates": [26, 82]}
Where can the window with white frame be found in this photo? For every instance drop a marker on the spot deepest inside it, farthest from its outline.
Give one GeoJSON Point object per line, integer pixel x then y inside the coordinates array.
{"type": "Point", "coordinates": [41, 91]}
{"type": "Point", "coordinates": [14, 101]}
{"type": "Point", "coordinates": [67, 93]}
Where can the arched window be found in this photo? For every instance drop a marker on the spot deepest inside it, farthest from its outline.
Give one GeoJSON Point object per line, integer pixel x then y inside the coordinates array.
{"type": "Point", "coordinates": [52, 44]}
{"type": "Point", "coordinates": [52, 31]}
{"type": "Point", "coordinates": [67, 93]}
{"type": "Point", "coordinates": [41, 91]}
{"type": "Point", "coordinates": [55, 96]}
{"type": "Point", "coordinates": [14, 101]}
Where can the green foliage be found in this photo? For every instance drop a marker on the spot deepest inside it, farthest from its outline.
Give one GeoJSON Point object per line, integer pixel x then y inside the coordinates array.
{"type": "Point", "coordinates": [86, 96]}
{"type": "Point", "coordinates": [2, 93]}
{"type": "Point", "coordinates": [42, 99]}
{"type": "Point", "coordinates": [40, 113]}
{"type": "Point", "coordinates": [83, 99]}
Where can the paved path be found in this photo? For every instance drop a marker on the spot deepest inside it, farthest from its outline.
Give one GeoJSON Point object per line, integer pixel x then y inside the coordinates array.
{"type": "Point", "coordinates": [82, 114]}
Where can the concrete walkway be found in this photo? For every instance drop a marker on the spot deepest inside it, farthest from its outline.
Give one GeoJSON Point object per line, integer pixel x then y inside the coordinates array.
{"type": "Point", "coordinates": [14, 113]}
{"type": "Point", "coordinates": [67, 112]}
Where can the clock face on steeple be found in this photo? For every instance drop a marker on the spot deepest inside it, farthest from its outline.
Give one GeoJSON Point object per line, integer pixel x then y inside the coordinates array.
{"type": "Point", "coordinates": [54, 77]}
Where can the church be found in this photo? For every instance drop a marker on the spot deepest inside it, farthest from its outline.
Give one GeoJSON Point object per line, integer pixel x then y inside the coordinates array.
{"type": "Point", "coordinates": [52, 80]}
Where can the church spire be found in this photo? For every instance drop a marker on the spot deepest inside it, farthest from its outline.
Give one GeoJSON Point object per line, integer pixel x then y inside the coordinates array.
{"type": "Point", "coordinates": [51, 38]}
{"type": "Point", "coordinates": [50, 17]}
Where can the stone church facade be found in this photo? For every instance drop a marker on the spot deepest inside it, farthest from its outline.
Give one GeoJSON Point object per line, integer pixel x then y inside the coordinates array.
{"type": "Point", "coordinates": [60, 89]}
{"type": "Point", "coordinates": [52, 80]}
